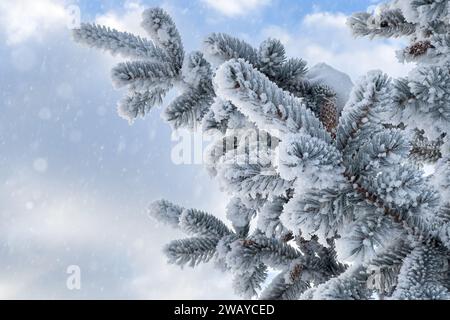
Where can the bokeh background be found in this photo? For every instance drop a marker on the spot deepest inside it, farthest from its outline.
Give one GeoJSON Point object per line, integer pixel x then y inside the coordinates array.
{"type": "Point", "coordinates": [75, 179]}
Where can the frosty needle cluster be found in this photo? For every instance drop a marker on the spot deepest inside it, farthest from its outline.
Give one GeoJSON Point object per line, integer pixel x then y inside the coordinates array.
{"type": "Point", "coordinates": [333, 198]}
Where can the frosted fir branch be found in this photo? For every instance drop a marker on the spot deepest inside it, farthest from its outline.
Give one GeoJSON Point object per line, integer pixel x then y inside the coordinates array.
{"type": "Point", "coordinates": [422, 274]}
{"type": "Point", "coordinates": [280, 289]}
{"type": "Point", "coordinates": [310, 161]}
{"type": "Point", "coordinates": [443, 215]}
{"type": "Point", "coordinates": [402, 187]}
{"type": "Point", "coordinates": [443, 225]}
{"type": "Point", "coordinates": [197, 71]}
{"type": "Point", "coordinates": [247, 257]}
{"type": "Point", "coordinates": [385, 267]}
{"type": "Point", "coordinates": [424, 11]}
{"type": "Point", "coordinates": [115, 42]}
{"type": "Point", "coordinates": [226, 112]}
{"type": "Point", "coordinates": [384, 149]}
{"type": "Point", "coordinates": [427, 90]}
{"type": "Point", "coordinates": [191, 251]}
{"type": "Point", "coordinates": [322, 259]}
{"type": "Point", "coordinates": [138, 104]}
{"type": "Point", "coordinates": [384, 200]}
{"type": "Point", "coordinates": [201, 224]}
{"type": "Point", "coordinates": [401, 97]}
{"type": "Point", "coordinates": [188, 109]}
{"type": "Point", "coordinates": [243, 146]}
{"type": "Point", "coordinates": [389, 23]}
{"type": "Point", "coordinates": [444, 236]}
{"type": "Point", "coordinates": [318, 97]}
{"type": "Point", "coordinates": [249, 282]}
{"type": "Point", "coordinates": [210, 124]}
{"type": "Point", "coordinates": [383, 281]}
{"type": "Point", "coordinates": [253, 180]}
{"type": "Point", "coordinates": [350, 285]}
{"type": "Point", "coordinates": [143, 75]}
{"type": "Point", "coordinates": [319, 212]}
{"type": "Point", "coordinates": [240, 214]}
{"type": "Point", "coordinates": [165, 212]}
{"type": "Point", "coordinates": [392, 256]}
{"type": "Point", "coordinates": [243, 160]}
{"type": "Point", "coordinates": [439, 47]}
{"type": "Point", "coordinates": [223, 116]}
{"type": "Point", "coordinates": [441, 178]}
{"type": "Point", "coordinates": [269, 218]}
{"type": "Point", "coordinates": [161, 28]}
{"type": "Point", "coordinates": [361, 115]}
{"type": "Point", "coordinates": [369, 235]}
{"type": "Point", "coordinates": [220, 47]}
{"type": "Point", "coordinates": [271, 57]}
{"type": "Point", "coordinates": [216, 151]}
{"type": "Point", "coordinates": [416, 217]}
{"type": "Point", "coordinates": [263, 102]}
{"type": "Point", "coordinates": [258, 253]}
{"type": "Point", "coordinates": [270, 60]}
{"type": "Point", "coordinates": [257, 249]}
{"type": "Point", "coordinates": [291, 76]}
{"type": "Point", "coordinates": [316, 265]}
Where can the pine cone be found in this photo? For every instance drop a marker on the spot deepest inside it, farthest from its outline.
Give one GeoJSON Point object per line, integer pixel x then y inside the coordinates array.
{"type": "Point", "coordinates": [424, 150]}
{"type": "Point", "coordinates": [329, 116]}
{"type": "Point", "coordinates": [248, 243]}
{"type": "Point", "coordinates": [287, 237]}
{"type": "Point", "coordinates": [419, 48]}
{"type": "Point", "coordinates": [296, 272]}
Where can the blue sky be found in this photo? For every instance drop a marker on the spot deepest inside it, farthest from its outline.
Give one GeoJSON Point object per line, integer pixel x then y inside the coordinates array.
{"type": "Point", "coordinates": [75, 179]}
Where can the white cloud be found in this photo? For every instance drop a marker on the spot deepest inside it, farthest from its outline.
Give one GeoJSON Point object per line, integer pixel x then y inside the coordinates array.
{"type": "Point", "coordinates": [48, 225]}
{"type": "Point", "coordinates": [325, 37]}
{"type": "Point", "coordinates": [236, 7]}
{"type": "Point", "coordinates": [128, 19]}
{"type": "Point", "coordinates": [24, 19]}
{"type": "Point", "coordinates": [325, 20]}
{"type": "Point", "coordinates": [279, 33]}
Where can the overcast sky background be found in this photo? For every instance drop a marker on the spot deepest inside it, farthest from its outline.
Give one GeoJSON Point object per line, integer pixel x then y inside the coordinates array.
{"type": "Point", "coordinates": [75, 179]}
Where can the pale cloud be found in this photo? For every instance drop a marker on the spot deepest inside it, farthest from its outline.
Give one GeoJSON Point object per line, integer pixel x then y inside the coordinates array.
{"type": "Point", "coordinates": [25, 19]}
{"type": "Point", "coordinates": [236, 7]}
{"type": "Point", "coordinates": [46, 212]}
{"type": "Point", "coordinates": [128, 19]}
{"type": "Point", "coordinates": [325, 37]}
{"type": "Point", "coordinates": [279, 33]}
{"type": "Point", "coordinates": [325, 20]}
{"type": "Point", "coordinates": [8, 289]}
{"type": "Point", "coordinates": [48, 225]}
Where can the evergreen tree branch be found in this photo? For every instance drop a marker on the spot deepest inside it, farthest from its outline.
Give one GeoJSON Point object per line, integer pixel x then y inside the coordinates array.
{"type": "Point", "coordinates": [264, 103]}
{"type": "Point", "coordinates": [220, 47]}
{"type": "Point", "coordinates": [201, 224]}
{"type": "Point", "coordinates": [142, 75]}
{"type": "Point", "coordinates": [192, 251]}
{"type": "Point", "coordinates": [122, 43]}
{"type": "Point", "coordinates": [161, 28]}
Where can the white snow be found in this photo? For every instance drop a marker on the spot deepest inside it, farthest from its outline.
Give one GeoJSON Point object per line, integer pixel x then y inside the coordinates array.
{"type": "Point", "coordinates": [340, 82]}
{"type": "Point", "coordinates": [163, 35]}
